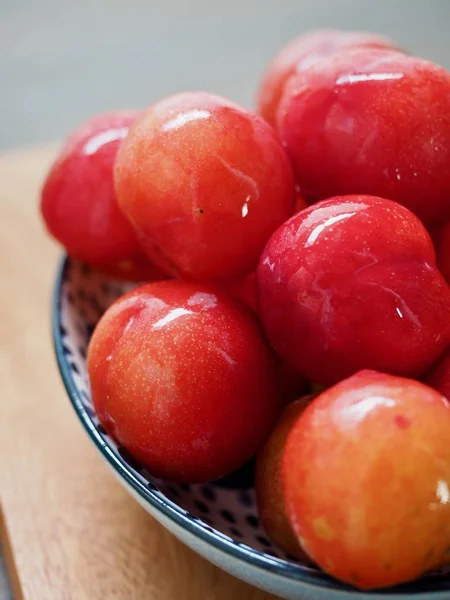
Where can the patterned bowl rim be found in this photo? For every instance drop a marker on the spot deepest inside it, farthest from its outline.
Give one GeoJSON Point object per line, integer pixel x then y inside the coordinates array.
{"type": "Point", "coordinates": [439, 587]}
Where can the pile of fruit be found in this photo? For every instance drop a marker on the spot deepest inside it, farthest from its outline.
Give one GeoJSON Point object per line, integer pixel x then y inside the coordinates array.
{"type": "Point", "coordinates": [296, 263]}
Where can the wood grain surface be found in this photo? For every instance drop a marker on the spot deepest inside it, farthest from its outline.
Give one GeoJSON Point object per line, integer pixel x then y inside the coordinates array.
{"type": "Point", "coordinates": [69, 530]}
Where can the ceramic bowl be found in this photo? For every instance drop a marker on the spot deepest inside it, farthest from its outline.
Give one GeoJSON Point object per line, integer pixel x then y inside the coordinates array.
{"type": "Point", "coordinates": [218, 520]}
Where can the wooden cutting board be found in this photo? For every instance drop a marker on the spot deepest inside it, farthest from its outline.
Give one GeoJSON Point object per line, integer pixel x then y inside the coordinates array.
{"type": "Point", "coordinates": [69, 531]}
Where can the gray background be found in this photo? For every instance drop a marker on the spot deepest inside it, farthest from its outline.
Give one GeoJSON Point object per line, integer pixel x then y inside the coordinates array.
{"type": "Point", "coordinates": [63, 61]}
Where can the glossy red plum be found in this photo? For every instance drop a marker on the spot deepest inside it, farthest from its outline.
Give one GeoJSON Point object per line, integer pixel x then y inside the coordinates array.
{"type": "Point", "coordinates": [268, 485]}
{"type": "Point", "coordinates": [302, 52]}
{"type": "Point", "coordinates": [79, 204]}
{"type": "Point", "coordinates": [205, 182]}
{"type": "Point", "coordinates": [366, 479]}
{"type": "Point", "coordinates": [182, 377]}
{"type": "Point", "coordinates": [374, 122]}
{"type": "Point", "coordinates": [292, 383]}
{"type": "Point", "coordinates": [351, 283]}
